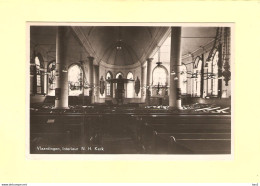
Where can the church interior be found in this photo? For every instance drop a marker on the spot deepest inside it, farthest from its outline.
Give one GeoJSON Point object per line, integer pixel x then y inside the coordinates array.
{"type": "Point", "coordinates": [130, 89]}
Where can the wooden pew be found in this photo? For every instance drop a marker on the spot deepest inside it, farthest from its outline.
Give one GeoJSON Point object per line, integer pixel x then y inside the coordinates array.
{"type": "Point", "coordinates": [148, 131]}
{"type": "Point", "coordinates": [179, 125]}
{"type": "Point", "coordinates": [93, 130]}
{"type": "Point", "coordinates": [191, 143]}
{"type": "Point", "coordinates": [200, 119]}
{"type": "Point", "coordinates": [50, 130]}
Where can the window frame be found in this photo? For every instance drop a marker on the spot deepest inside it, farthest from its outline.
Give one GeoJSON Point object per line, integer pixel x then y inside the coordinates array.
{"type": "Point", "coordinates": [80, 83]}
{"type": "Point", "coordinates": [162, 88]}
{"type": "Point", "coordinates": [130, 85]}
{"type": "Point", "coordinates": [196, 85]}
{"type": "Point", "coordinates": [39, 75]}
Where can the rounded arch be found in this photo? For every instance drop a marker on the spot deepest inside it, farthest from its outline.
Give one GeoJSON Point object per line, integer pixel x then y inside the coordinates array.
{"type": "Point", "coordinates": [76, 79]}
{"type": "Point", "coordinates": [215, 56]}
{"type": "Point", "coordinates": [159, 80]}
{"type": "Point", "coordinates": [39, 73]}
{"type": "Point", "coordinates": [160, 74]}
{"type": "Point", "coordinates": [130, 75]}
{"type": "Point", "coordinates": [215, 61]}
{"type": "Point", "coordinates": [119, 73]}
{"type": "Point", "coordinates": [49, 63]}
{"type": "Point", "coordinates": [37, 62]}
{"type": "Point", "coordinates": [82, 68]}
{"type": "Point", "coordinates": [39, 56]}
{"type": "Point", "coordinates": [186, 65]}
{"type": "Point", "coordinates": [214, 51]}
{"type": "Point", "coordinates": [197, 63]}
{"type": "Point", "coordinates": [109, 74]}
{"type": "Point", "coordinates": [197, 77]}
{"type": "Point", "coordinates": [73, 64]}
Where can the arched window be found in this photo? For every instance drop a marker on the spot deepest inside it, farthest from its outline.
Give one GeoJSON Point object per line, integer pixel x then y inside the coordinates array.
{"type": "Point", "coordinates": [160, 80]}
{"type": "Point", "coordinates": [52, 77]}
{"type": "Point", "coordinates": [75, 78]}
{"type": "Point", "coordinates": [209, 79]}
{"type": "Point", "coordinates": [183, 79]}
{"type": "Point", "coordinates": [159, 75]}
{"type": "Point", "coordinates": [212, 75]}
{"type": "Point", "coordinates": [130, 85]}
{"type": "Point", "coordinates": [108, 84]}
{"type": "Point", "coordinates": [215, 73]}
{"type": "Point", "coordinates": [118, 74]}
{"type": "Point", "coordinates": [197, 77]}
{"type": "Point", "coordinates": [38, 74]}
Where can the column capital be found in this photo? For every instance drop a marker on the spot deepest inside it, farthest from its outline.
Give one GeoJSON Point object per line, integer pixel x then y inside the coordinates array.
{"type": "Point", "coordinates": [149, 60]}
{"type": "Point", "coordinates": [90, 58]}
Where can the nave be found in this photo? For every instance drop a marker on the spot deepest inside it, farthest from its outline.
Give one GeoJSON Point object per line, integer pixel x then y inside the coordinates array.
{"type": "Point", "coordinates": [130, 89]}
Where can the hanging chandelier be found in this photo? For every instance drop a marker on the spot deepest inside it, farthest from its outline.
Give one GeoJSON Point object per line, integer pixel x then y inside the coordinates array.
{"type": "Point", "coordinates": [222, 42]}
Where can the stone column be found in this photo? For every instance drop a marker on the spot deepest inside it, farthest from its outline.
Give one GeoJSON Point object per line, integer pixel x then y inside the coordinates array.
{"type": "Point", "coordinates": [96, 74]}
{"type": "Point", "coordinates": [142, 84]}
{"type": "Point", "coordinates": [42, 75]}
{"type": "Point", "coordinates": [175, 63]}
{"type": "Point", "coordinates": [45, 78]}
{"type": "Point", "coordinates": [32, 74]}
{"type": "Point", "coordinates": [33, 85]}
{"type": "Point", "coordinates": [148, 80]}
{"type": "Point", "coordinates": [61, 91]}
{"type": "Point", "coordinates": [46, 83]}
{"type": "Point", "coordinates": [91, 79]}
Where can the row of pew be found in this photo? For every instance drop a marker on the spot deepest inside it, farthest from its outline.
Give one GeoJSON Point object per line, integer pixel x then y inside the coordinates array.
{"type": "Point", "coordinates": [184, 134]}
{"type": "Point", "coordinates": [152, 134]}
{"type": "Point", "coordinates": [55, 131]}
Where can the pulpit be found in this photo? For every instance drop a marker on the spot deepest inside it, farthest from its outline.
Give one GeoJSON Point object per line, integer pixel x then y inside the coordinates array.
{"type": "Point", "coordinates": [120, 90]}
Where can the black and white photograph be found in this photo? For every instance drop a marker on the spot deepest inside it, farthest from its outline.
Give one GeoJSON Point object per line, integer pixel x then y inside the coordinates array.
{"type": "Point", "coordinates": [130, 88]}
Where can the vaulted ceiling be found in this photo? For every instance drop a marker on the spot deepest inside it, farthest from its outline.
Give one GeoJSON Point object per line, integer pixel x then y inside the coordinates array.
{"type": "Point", "coordinates": [118, 45]}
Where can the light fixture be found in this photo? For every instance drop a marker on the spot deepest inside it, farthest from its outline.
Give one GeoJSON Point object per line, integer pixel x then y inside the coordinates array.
{"type": "Point", "coordinates": [194, 75]}
{"type": "Point", "coordinates": [172, 72]}
{"type": "Point", "coordinates": [159, 54]}
{"type": "Point", "coordinates": [159, 64]}
{"type": "Point", "coordinates": [119, 44]}
{"type": "Point", "coordinates": [211, 76]}
{"type": "Point", "coordinates": [221, 42]}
